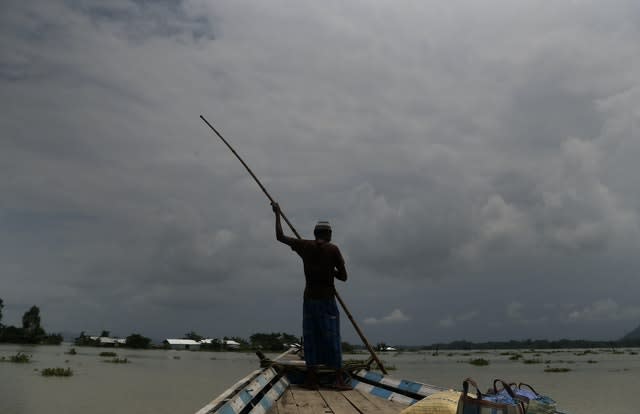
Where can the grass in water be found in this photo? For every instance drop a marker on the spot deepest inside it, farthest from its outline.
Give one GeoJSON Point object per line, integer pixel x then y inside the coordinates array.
{"type": "Point", "coordinates": [117, 360]}
{"type": "Point", "coordinates": [532, 361]}
{"type": "Point", "coordinates": [57, 372]}
{"type": "Point", "coordinates": [549, 369]}
{"type": "Point", "coordinates": [479, 362]}
{"type": "Point", "coordinates": [19, 358]}
{"type": "Point", "coordinates": [108, 354]}
{"type": "Point", "coordinates": [515, 357]}
{"type": "Point", "coordinates": [72, 351]}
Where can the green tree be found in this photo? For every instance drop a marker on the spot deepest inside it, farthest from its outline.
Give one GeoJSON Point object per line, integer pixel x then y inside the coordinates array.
{"type": "Point", "coordinates": [105, 334]}
{"type": "Point", "coordinates": [85, 340]}
{"type": "Point", "coordinates": [31, 328]}
{"type": "Point", "coordinates": [239, 340]}
{"type": "Point", "coordinates": [138, 341]}
{"type": "Point", "coordinates": [347, 348]}
{"type": "Point", "coordinates": [192, 335]}
{"type": "Point", "coordinates": [52, 339]}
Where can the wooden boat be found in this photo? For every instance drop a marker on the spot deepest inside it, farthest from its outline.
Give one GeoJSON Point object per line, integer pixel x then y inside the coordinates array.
{"type": "Point", "coordinates": [275, 389]}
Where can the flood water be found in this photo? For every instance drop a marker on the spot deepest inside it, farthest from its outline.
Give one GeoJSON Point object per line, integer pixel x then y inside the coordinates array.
{"type": "Point", "coordinates": [158, 382]}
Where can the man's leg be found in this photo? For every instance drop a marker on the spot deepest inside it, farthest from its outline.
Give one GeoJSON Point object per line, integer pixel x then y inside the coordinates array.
{"type": "Point", "coordinates": [311, 379]}
{"type": "Point", "coordinates": [334, 345]}
{"type": "Point", "coordinates": [309, 332]}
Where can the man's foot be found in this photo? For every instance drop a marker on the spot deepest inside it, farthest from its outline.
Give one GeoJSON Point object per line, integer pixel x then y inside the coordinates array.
{"type": "Point", "coordinates": [342, 387]}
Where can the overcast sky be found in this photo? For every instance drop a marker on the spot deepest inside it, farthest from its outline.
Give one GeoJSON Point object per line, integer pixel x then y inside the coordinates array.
{"type": "Point", "coordinates": [477, 160]}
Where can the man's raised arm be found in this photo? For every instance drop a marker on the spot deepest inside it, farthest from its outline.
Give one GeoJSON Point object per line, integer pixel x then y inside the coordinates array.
{"type": "Point", "coordinates": [279, 233]}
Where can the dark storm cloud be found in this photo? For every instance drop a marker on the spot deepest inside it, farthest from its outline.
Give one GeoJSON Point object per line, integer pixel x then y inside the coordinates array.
{"type": "Point", "coordinates": [464, 154]}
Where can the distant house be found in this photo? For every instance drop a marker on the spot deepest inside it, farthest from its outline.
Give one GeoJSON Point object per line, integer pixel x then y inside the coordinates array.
{"type": "Point", "coordinates": [188, 344]}
{"type": "Point", "coordinates": [107, 341]}
{"type": "Point", "coordinates": [230, 344]}
{"type": "Point", "coordinates": [219, 344]}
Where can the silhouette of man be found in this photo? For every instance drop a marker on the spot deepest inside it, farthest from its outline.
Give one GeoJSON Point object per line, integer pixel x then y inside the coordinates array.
{"type": "Point", "coordinates": [322, 262]}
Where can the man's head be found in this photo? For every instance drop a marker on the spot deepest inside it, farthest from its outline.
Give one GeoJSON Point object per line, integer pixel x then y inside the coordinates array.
{"type": "Point", "coordinates": [322, 231]}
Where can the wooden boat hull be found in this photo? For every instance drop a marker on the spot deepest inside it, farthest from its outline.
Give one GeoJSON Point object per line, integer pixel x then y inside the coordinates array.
{"type": "Point", "coordinates": [275, 389]}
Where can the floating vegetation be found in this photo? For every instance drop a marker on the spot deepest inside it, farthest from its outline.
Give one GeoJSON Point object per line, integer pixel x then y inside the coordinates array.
{"type": "Point", "coordinates": [176, 357]}
{"type": "Point", "coordinates": [515, 357]}
{"type": "Point", "coordinates": [57, 372]}
{"type": "Point", "coordinates": [620, 370]}
{"type": "Point", "coordinates": [549, 369]}
{"type": "Point", "coordinates": [479, 362]}
{"type": "Point", "coordinates": [117, 360]}
{"type": "Point", "coordinates": [592, 361]}
{"type": "Point", "coordinates": [19, 358]}
{"type": "Point", "coordinates": [108, 354]}
{"type": "Point", "coordinates": [532, 361]}
{"type": "Point", "coordinates": [72, 351]}
{"type": "Point", "coordinates": [633, 353]}
{"type": "Point", "coordinates": [587, 352]}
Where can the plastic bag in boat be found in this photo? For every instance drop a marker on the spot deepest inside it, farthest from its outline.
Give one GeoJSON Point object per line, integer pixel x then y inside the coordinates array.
{"type": "Point", "coordinates": [534, 402]}
{"type": "Point", "coordinates": [488, 403]}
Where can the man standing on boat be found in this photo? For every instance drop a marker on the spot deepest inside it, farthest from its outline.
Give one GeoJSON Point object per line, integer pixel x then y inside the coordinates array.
{"type": "Point", "coordinates": [320, 317]}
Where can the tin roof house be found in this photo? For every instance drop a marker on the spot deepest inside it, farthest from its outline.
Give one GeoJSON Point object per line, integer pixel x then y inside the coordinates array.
{"type": "Point", "coordinates": [187, 344]}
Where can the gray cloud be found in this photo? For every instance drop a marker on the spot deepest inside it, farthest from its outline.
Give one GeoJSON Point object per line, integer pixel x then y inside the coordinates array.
{"type": "Point", "coordinates": [464, 153]}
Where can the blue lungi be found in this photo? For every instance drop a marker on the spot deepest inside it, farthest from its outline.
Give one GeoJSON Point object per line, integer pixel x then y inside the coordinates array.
{"type": "Point", "coordinates": [321, 333]}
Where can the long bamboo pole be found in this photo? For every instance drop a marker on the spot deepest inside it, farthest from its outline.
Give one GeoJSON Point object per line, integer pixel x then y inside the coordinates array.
{"type": "Point", "coordinates": [264, 190]}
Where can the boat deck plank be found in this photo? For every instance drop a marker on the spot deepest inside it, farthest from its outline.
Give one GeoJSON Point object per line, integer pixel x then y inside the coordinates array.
{"type": "Point", "coordinates": [286, 403]}
{"type": "Point", "coordinates": [369, 404]}
{"type": "Point", "coordinates": [338, 402]}
{"type": "Point", "coordinates": [298, 400]}
{"type": "Point", "coordinates": [309, 401]}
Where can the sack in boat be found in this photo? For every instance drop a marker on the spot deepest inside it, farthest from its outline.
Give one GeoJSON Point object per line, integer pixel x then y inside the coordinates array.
{"type": "Point", "coordinates": [488, 403]}
{"type": "Point", "coordinates": [443, 402]}
{"type": "Point", "coordinates": [534, 403]}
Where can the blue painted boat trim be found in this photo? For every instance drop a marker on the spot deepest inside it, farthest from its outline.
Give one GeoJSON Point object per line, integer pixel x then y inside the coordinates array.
{"type": "Point", "coordinates": [381, 392]}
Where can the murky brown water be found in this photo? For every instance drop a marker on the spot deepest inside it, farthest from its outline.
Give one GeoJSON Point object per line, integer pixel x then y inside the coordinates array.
{"type": "Point", "coordinates": [157, 382]}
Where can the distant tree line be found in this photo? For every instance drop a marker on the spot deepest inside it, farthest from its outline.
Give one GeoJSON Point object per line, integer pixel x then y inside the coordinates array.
{"type": "Point", "coordinates": [31, 331]}
{"type": "Point", "coordinates": [134, 340]}
{"type": "Point", "coordinates": [271, 342]}
{"type": "Point", "coordinates": [533, 344]}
